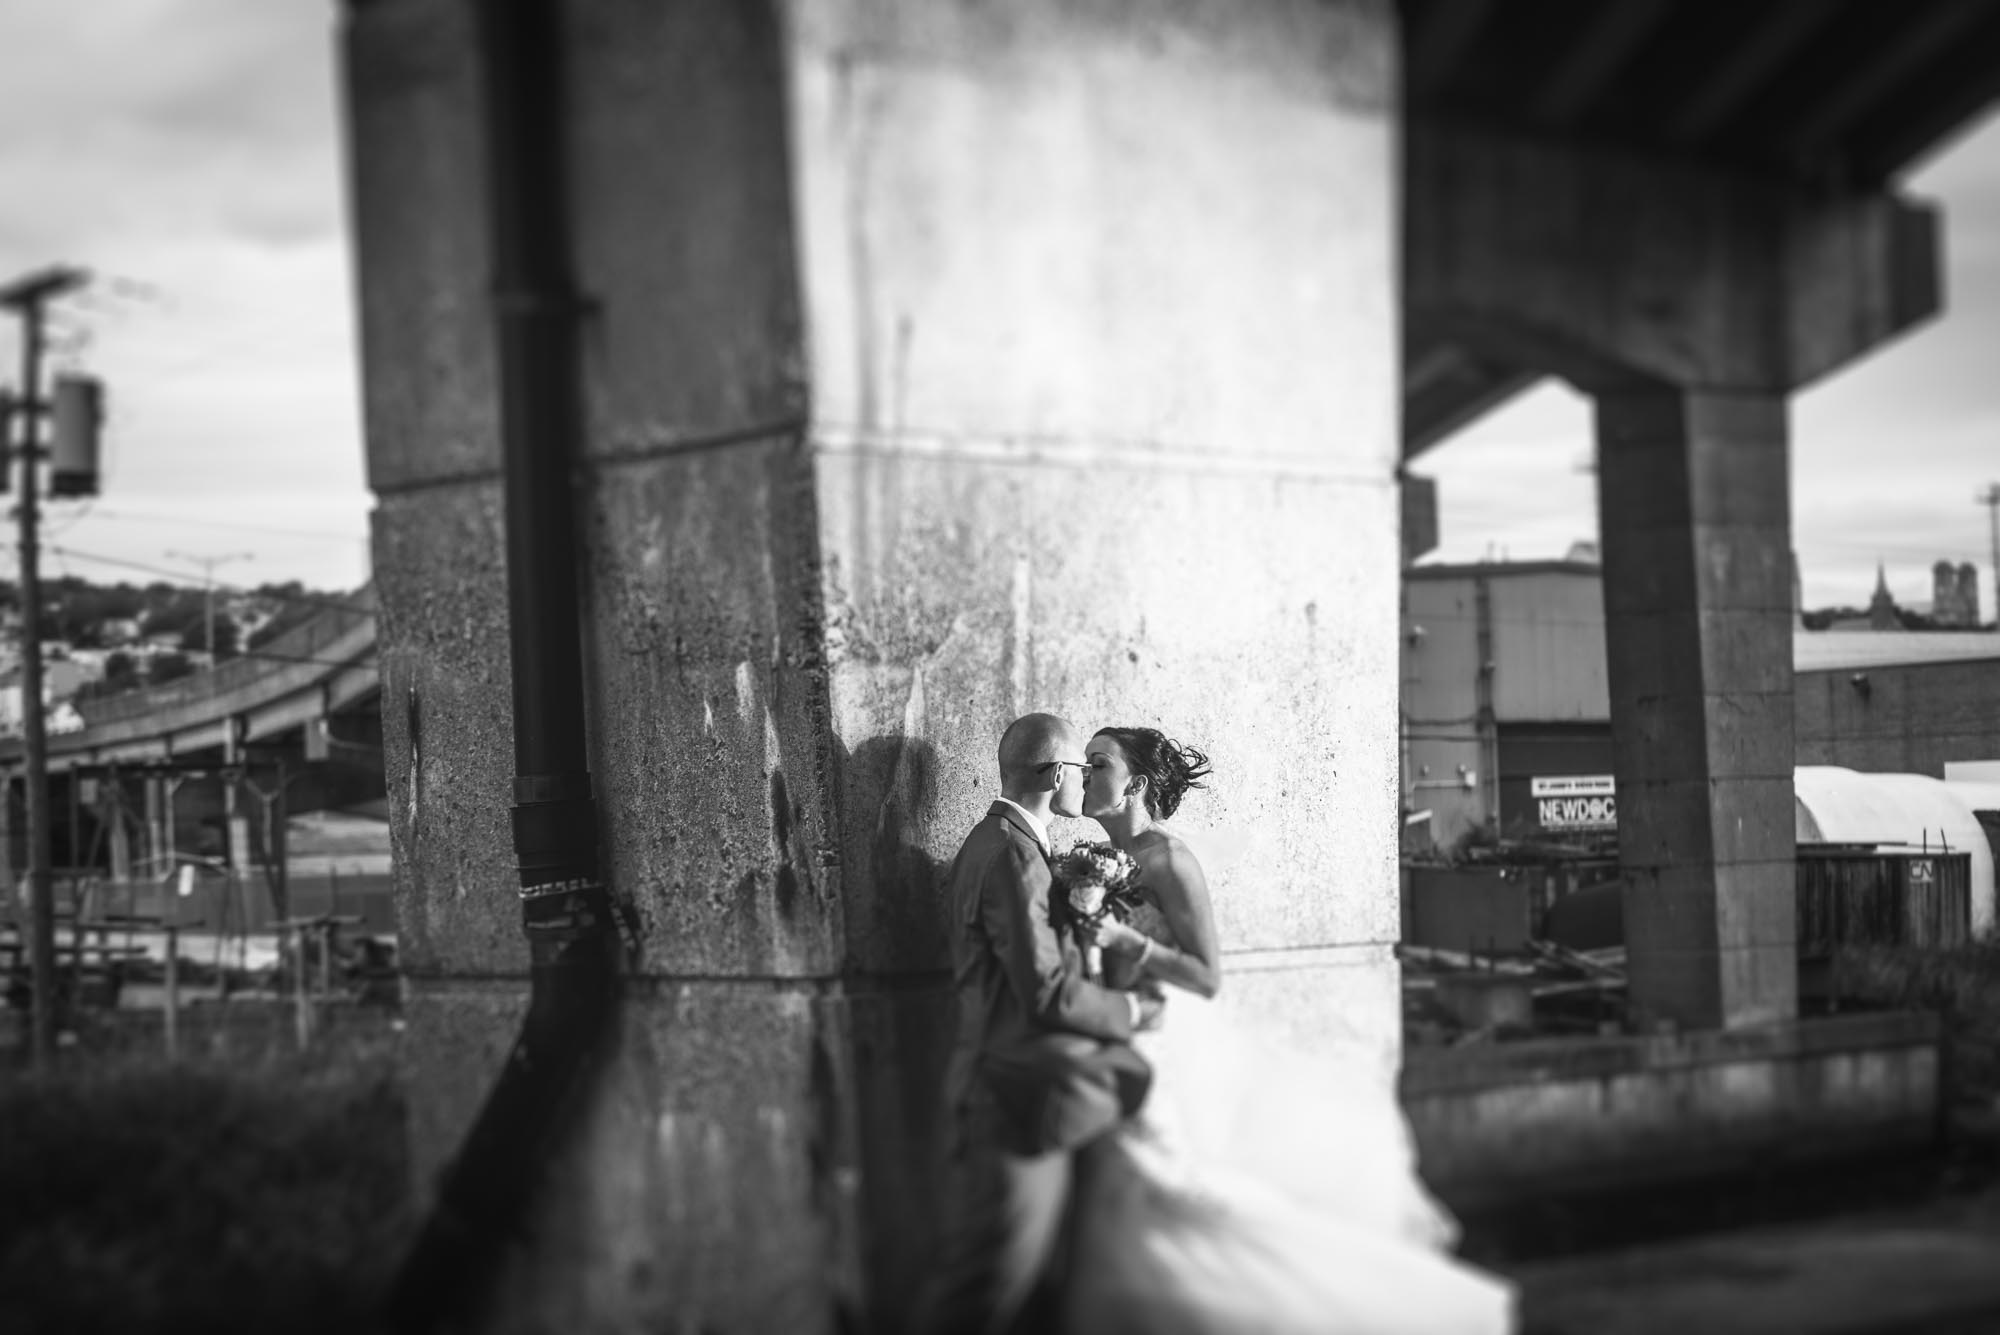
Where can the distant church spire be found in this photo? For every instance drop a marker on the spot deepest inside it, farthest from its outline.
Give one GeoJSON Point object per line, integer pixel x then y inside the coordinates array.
{"type": "Point", "coordinates": [1882, 607]}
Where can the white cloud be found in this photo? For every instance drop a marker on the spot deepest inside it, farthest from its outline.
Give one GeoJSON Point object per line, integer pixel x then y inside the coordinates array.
{"type": "Point", "coordinates": [187, 152]}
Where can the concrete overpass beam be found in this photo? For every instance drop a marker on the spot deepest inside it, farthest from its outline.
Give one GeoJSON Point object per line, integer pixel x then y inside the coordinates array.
{"type": "Point", "coordinates": [1606, 267]}
{"type": "Point", "coordinates": [1859, 271]}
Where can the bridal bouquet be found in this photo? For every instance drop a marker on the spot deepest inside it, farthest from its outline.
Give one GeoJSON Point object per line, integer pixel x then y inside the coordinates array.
{"type": "Point", "coordinates": [1096, 880]}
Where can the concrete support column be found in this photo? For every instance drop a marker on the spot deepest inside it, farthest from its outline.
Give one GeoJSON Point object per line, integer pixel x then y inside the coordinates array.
{"type": "Point", "coordinates": [945, 360]}
{"type": "Point", "coordinates": [1695, 527]}
{"type": "Point", "coordinates": [112, 809]}
{"type": "Point", "coordinates": [235, 820]}
{"type": "Point", "coordinates": [159, 824]}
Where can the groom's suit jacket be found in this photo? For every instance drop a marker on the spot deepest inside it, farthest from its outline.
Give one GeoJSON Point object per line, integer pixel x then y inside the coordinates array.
{"type": "Point", "coordinates": [1045, 1048]}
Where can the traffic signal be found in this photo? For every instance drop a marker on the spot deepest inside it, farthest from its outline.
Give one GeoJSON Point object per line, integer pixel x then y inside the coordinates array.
{"type": "Point", "coordinates": [78, 417]}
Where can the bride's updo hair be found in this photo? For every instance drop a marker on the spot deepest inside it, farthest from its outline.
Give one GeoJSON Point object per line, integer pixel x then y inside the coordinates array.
{"type": "Point", "coordinates": [1170, 768]}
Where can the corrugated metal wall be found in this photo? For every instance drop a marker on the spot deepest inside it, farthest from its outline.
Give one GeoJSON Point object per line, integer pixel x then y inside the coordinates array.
{"type": "Point", "coordinates": [1548, 642]}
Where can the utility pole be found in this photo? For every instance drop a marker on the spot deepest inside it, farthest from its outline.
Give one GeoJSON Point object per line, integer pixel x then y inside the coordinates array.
{"type": "Point", "coordinates": [29, 297]}
{"type": "Point", "coordinates": [208, 565]}
{"type": "Point", "coordinates": [1990, 498]}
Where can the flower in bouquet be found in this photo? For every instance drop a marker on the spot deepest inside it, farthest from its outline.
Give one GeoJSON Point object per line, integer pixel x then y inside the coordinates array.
{"type": "Point", "coordinates": [1097, 880]}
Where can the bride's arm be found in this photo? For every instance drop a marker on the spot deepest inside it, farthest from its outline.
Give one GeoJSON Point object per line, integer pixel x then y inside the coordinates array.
{"type": "Point", "coordinates": [1181, 891]}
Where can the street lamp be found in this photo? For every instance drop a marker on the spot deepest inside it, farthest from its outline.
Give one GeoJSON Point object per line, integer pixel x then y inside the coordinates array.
{"type": "Point", "coordinates": [208, 565]}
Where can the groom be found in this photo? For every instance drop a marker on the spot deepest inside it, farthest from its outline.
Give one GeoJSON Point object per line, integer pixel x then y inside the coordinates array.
{"type": "Point", "coordinates": [1042, 1064]}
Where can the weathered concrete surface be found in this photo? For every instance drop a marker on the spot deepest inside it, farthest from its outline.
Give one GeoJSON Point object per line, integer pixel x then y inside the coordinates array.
{"type": "Point", "coordinates": [1698, 609]}
{"type": "Point", "coordinates": [1343, 1003]}
{"type": "Point", "coordinates": [941, 362]}
{"type": "Point", "coordinates": [714, 1171]}
{"type": "Point", "coordinates": [961, 591]}
{"type": "Point", "coordinates": [1063, 466]}
{"type": "Point", "coordinates": [1062, 463]}
{"type": "Point", "coordinates": [1132, 246]}
{"type": "Point", "coordinates": [703, 693]}
{"type": "Point", "coordinates": [1605, 267]}
{"type": "Point", "coordinates": [684, 237]}
{"type": "Point", "coordinates": [714, 1181]}
{"type": "Point", "coordinates": [718, 772]}
{"type": "Point", "coordinates": [417, 183]}
{"type": "Point", "coordinates": [1518, 1121]}
{"type": "Point", "coordinates": [447, 727]}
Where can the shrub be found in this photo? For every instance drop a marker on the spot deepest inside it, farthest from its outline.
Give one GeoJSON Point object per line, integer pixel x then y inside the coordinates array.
{"type": "Point", "coordinates": [1963, 982]}
{"type": "Point", "coordinates": [147, 1197]}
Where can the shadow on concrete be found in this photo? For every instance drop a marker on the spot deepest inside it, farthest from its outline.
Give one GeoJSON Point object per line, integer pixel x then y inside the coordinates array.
{"type": "Point", "coordinates": [900, 1014]}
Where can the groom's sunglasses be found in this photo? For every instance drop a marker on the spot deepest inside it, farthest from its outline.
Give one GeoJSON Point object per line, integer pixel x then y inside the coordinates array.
{"type": "Point", "coordinates": [1049, 765]}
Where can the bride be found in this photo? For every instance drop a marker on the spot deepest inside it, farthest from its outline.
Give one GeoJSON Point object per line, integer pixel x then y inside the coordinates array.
{"type": "Point", "coordinates": [1261, 1189]}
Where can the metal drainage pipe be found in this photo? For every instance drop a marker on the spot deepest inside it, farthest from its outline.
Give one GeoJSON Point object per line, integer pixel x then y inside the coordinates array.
{"type": "Point", "coordinates": [489, 1187]}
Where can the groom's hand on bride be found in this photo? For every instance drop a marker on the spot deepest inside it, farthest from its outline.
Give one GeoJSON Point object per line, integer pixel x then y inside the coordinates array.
{"type": "Point", "coordinates": [1114, 937]}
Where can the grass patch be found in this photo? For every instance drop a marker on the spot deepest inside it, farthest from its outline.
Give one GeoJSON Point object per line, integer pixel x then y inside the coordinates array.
{"type": "Point", "coordinates": [1963, 982]}
{"type": "Point", "coordinates": [136, 1196]}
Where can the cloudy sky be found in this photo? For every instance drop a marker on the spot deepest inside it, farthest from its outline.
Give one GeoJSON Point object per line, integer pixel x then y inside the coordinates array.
{"type": "Point", "coordinates": [187, 152]}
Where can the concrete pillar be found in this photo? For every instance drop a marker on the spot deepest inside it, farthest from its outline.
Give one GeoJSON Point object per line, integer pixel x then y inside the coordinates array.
{"type": "Point", "coordinates": [159, 841]}
{"type": "Point", "coordinates": [1696, 539]}
{"type": "Point", "coordinates": [947, 360]}
{"type": "Point", "coordinates": [118, 818]}
{"type": "Point", "coordinates": [1101, 328]}
{"type": "Point", "coordinates": [236, 822]}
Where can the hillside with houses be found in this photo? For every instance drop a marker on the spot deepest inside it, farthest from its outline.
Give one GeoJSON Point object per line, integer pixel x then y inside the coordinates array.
{"type": "Point", "coordinates": [103, 639]}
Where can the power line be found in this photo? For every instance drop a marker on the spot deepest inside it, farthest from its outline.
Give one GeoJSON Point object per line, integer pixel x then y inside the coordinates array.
{"type": "Point", "coordinates": [208, 565]}
{"type": "Point", "coordinates": [143, 517]}
{"type": "Point", "coordinates": [304, 600]}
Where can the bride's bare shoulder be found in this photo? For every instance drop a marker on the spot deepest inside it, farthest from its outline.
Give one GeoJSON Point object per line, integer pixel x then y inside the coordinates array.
{"type": "Point", "coordinates": [1169, 858]}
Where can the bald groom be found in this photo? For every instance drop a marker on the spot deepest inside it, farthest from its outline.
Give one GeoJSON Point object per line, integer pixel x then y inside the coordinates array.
{"type": "Point", "coordinates": [1041, 1064]}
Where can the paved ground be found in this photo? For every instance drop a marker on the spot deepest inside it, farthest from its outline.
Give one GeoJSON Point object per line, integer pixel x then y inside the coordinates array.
{"type": "Point", "coordinates": [1928, 1264]}
{"type": "Point", "coordinates": [1850, 1278]}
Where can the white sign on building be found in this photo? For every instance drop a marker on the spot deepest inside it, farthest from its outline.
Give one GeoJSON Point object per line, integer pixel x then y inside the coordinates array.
{"type": "Point", "coordinates": [1575, 802]}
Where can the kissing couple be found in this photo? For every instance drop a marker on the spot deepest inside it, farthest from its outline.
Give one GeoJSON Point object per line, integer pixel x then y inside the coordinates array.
{"type": "Point", "coordinates": [1122, 1157]}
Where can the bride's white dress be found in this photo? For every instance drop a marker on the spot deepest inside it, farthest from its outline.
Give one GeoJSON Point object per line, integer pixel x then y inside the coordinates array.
{"type": "Point", "coordinates": [1264, 1190]}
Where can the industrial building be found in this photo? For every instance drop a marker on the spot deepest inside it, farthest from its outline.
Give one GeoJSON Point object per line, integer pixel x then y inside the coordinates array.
{"type": "Point", "coordinates": [1507, 733]}
{"type": "Point", "coordinates": [1507, 717]}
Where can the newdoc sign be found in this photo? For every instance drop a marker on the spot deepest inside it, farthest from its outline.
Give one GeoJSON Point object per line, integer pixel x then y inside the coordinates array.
{"type": "Point", "coordinates": [1575, 802]}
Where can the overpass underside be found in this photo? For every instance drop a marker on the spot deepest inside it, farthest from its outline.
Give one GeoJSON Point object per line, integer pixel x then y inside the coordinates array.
{"type": "Point", "coordinates": [1688, 301]}
{"type": "Point", "coordinates": [203, 770]}
{"type": "Point", "coordinates": [942, 361]}
{"type": "Point", "coordinates": [1688, 213]}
